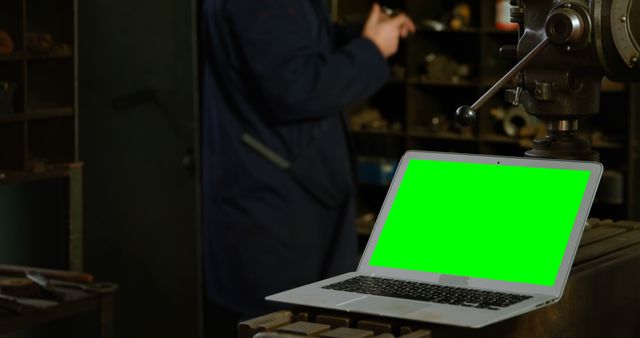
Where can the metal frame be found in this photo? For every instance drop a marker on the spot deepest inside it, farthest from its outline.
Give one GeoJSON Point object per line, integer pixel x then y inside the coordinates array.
{"type": "Point", "coordinates": [75, 218]}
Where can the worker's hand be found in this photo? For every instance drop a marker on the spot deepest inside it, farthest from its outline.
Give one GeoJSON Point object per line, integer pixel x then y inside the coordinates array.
{"type": "Point", "coordinates": [385, 32]}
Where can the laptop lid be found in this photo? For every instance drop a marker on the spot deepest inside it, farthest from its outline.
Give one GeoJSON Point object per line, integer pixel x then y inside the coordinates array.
{"type": "Point", "coordinates": [489, 222]}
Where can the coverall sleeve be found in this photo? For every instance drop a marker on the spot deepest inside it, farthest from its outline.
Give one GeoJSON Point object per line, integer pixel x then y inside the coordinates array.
{"type": "Point", "coordinates": [344, 33]}
{"type": "Point", "coordinates": [294, 74]}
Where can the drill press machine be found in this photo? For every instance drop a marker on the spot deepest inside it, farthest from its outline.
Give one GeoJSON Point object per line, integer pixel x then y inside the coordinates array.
{"type": "Point", "coordinates": [565, 49]}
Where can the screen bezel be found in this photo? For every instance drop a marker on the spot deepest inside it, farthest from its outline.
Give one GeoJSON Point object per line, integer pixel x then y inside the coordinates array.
{"type": "Point", "coordinates": [555, 291]}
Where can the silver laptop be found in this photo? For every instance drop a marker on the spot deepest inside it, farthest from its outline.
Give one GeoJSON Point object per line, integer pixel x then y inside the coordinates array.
{"type": "Point", "coordinates": [466, 240]}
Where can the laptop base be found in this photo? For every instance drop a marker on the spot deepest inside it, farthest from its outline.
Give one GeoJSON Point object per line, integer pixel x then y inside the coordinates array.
{"type": "Point", "coordinates": [456, 315]}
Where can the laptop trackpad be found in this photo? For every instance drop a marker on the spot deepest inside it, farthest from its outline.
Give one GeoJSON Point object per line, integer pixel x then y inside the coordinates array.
{"type": "Point", "coordinates": [372, 304]}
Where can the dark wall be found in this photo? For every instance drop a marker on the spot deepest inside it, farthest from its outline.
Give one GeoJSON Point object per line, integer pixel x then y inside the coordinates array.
{"type": "Point", "coordinates": [138, 103]}
{"type": "Point", "coordinates": [34, 224]}
{"type": "Point", "coordinates": [34, 232]}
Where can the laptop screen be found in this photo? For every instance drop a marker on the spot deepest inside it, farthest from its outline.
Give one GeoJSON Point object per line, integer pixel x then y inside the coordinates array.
{"type": "Point", "coordinates": [491, 221]}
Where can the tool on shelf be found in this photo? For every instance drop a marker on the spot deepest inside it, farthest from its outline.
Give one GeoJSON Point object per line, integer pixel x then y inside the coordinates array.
{"type": "Point", "coordinates": [69, 276]}
{"type": "Point", "coordinates": [51, 285]}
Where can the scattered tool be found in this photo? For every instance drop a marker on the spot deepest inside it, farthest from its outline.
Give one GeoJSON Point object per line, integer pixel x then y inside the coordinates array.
{"type": "Point", "coordinates": [18, 287]}
{"type": "Point", "coordinates": [46, 287]}
{"type": "Point", "coordinates": [23, 303]}
{"type": "Point", "coordinates": [50, 284]}
{"type": "Point", "coordinates": [69, 276]}
{"type": "Point", "coordinates": [11, 307]}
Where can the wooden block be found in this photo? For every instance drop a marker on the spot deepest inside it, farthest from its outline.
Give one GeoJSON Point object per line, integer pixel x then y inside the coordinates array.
{"type": "Point", "coordinates": [377, 326]}
{"type": "Point", "coordinates": [306, 314]}
{"type": "Point", "coordinates": [276, 335]}
{"type": "Point", "coordinates": [592, 223]}
{"type": "Point", "coordinates": [406, 329]}
{"type": "Point", "coordinates": [385, 335]}
{"type": "Point", "coordinates": [413, 327]}
{"type": "Point", "coordinates": [304, 328]}
{"type": "Point", "coordinates": [302, 317]}
{"type": "Point", "coordinates": [345, 332]}
{"type": "Point", "coordinates": [606, 222]}
{"type": "Point", "coordinates": [335, 321]}
{"type": "Point", "coordinates": [418, 334]}
{"type": "Point", "coordinates": [270, 322]}
{"type": "Point", "coordinates": [598, 234]}
{"type": "Point", "coordinates": [607, 246]}
{"type": "Point", "coordinates": [629, 225]}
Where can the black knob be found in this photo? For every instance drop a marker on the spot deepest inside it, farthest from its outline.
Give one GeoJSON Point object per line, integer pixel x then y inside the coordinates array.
{"type": "Point", "coordinates": [465, 116]}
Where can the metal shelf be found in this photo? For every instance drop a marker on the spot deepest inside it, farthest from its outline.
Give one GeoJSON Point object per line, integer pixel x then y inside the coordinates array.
{"type": "Point", "coordinates": [442, 136]}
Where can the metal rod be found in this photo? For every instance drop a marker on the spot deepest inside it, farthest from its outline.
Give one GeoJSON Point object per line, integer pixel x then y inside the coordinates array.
{"type": "Point", "coordinates": [510, 75]}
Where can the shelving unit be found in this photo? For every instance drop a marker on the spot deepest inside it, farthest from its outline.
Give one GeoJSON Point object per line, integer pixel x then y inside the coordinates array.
{"type": "Point", "coordinates": [38, 130]}
{"type": "Point", "coordinates": [424, 106]}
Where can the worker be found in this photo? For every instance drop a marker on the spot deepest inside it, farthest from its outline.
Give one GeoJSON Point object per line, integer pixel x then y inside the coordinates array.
{"type": "Point", "coordinates": [278, 187]}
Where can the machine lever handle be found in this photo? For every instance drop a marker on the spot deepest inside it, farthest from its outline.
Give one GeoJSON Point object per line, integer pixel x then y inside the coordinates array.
{"type": "Point", "coordinates": [466, 115]}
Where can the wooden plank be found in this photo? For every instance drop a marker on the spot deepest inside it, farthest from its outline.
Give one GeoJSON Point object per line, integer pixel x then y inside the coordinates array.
{"type": "Point", "coordinates": [629, 225]}
{"type": "Point", "coordinates": [605, 247]}
{"type": "Point", "coordinates": [598, 234]}
{"type": "Point", "coordinates": [304, 328]}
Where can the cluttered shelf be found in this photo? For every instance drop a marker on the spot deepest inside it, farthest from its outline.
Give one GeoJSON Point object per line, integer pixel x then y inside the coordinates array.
{"type": "Point", "coordinates": [31, 296]}
{"type": "Point", "coordinates": [467, 30]}
{"type": "Point", "coordinates": [41, 172]}
{"type": "Point", "coordinates": [606, 145]}
{"type": "Point", "coordinates": [36, 115]}
{"type": "Point", "coordinates": [522, 142]}
{"type": "Point", "coordinates": [492, 30]}
{"type": "Point", "coordinates": [19, 56]}
{"type": "Point", "coordinates": [423, 81]}
{"type": "Point", "coordinates": [442, 136]}
{"type": "Point", "coordinates": [527, 143]}
{"type": "Point", "coordinates": [495, 138]}
{"type": "Point", "coordinates": [14, 56]}
{"type": "Point", "coordinates": [377, 132]}
{"type": "Point", "coordinates": [63, 55]}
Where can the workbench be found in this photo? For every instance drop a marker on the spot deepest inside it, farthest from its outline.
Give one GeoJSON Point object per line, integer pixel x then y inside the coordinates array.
{"type": "Point", "coordinates": [76, 302]}
{"type": "Point", "coordinates": [602, 299]}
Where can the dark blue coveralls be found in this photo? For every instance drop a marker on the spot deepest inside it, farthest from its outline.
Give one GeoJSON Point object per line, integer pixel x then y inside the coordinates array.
{"type": "Point", "coordinates": [278, 72]}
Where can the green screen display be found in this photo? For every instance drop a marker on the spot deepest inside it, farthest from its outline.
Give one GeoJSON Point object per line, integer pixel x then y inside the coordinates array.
{"type": "Point", "coordinates": [488, 221]}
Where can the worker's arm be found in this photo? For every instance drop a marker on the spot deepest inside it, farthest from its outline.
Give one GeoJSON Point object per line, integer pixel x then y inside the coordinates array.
{"type": "Point", "coordinates": [295, 76]}
{"type": "Point", "coordinates": [343, 33]}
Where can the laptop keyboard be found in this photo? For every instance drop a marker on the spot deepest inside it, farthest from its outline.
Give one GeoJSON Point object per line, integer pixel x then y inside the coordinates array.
{"type": "Point", "coordinates": [428, 292]}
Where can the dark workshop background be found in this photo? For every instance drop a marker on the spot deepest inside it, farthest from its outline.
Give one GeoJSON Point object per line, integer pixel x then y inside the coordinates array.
{"type": "Point", "coordinates": [138, 123]}
{"type": "Point", "coordinates": [138, 96]}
